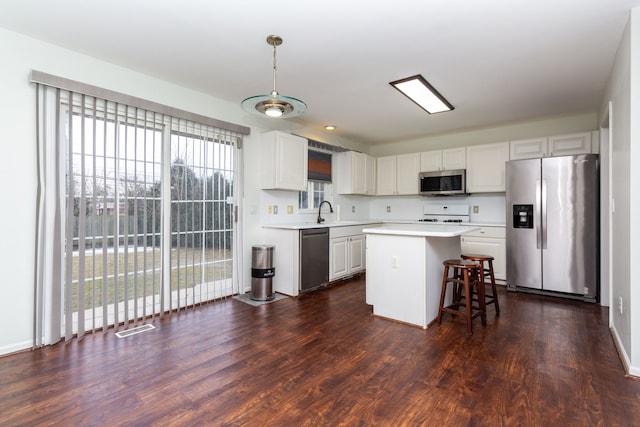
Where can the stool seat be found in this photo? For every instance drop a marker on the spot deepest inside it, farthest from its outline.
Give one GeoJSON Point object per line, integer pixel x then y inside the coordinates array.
{"type": "Point", "coordinates": [464, 278]}
{"type": "Point", "coordinates": [486, 271]}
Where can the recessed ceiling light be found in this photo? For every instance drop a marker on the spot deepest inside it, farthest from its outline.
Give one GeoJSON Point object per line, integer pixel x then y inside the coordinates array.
{"type": "Point", "coordinates": [417, 89]}
{"type": "Point", "coordinates": [329, 127]}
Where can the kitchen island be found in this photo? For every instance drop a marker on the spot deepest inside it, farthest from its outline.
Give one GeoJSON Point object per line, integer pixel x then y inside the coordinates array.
{"type": "Point", "coordinates": [404, 269]}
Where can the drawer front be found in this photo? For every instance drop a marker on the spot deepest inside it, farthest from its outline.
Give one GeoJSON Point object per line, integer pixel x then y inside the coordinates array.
{"type": "Point", "coordinates": [492, 232]}
{"type": "Point", "coordinates": [350, 230]}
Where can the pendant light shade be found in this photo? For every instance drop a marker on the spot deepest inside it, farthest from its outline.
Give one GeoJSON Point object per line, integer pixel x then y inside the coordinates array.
{"type": "Point", "coordinates": [274, 105]}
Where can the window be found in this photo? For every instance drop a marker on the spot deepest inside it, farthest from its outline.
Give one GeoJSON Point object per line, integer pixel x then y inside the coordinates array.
{"type": "Point", "coordinates": [319, 181]}
{"type": "Point", "coordinates": [317, 191]}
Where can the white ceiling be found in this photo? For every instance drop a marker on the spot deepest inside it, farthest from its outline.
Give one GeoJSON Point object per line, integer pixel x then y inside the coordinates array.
{"type": "Point", "coordinates": [496, 61]}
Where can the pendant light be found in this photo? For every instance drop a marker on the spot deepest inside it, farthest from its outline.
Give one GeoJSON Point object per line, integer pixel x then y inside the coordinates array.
{"type": "Point", "coordinates": [274, 105]}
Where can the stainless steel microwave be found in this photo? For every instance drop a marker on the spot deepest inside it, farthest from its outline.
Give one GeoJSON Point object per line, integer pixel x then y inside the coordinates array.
{"type": "Point", "coordinates": [444, 183]}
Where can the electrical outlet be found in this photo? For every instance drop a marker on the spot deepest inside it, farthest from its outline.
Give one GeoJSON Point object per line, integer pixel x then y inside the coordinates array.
{"type": "Point", "coordinates": [476, 209]}
{"type": "Point", "coordinates": [621, 305]}
{"type": "Point", "coordinates": [394, 262]}
{"type": "Point", "coordinates": [353, 209]}
{"type": "Point", "coordinates": [289, 209]}
{"type": "Point", "coordinates": [275, 209]}
{"type": "Point", "coordinates": [388, 208]}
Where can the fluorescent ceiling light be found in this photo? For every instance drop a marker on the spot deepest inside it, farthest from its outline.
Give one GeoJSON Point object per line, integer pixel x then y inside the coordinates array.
{"type": "Point", "coordinates": [422, 93]}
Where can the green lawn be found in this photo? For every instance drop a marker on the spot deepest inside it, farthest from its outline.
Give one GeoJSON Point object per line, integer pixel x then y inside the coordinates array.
{"type": "Point", "coordinates": [139, 273]}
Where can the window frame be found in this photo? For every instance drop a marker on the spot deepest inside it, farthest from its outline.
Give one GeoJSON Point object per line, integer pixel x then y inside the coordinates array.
{"type": "Point", "coordinates": [327, 193]}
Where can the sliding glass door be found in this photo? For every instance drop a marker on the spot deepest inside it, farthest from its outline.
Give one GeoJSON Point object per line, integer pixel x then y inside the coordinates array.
{"type": "Point", "coordinates": [136, 214]}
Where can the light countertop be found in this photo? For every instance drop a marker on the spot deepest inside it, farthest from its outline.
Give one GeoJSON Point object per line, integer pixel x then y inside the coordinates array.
{"type": "Point", "coordinates": [306, 225]}
{"type": "Point", "coordinates": [345, 223]}
{"type": "Point", "coordinates": [422, 230]}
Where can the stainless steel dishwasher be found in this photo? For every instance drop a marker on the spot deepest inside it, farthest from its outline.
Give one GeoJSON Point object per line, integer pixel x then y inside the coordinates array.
{"type": "Point", "coordinates": [314, 258]}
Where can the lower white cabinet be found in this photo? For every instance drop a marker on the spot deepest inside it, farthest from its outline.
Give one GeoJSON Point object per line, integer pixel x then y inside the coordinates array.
{"type": "Point", "coordinates": [347, 256]}
{"type": "Point", "coordinates": [347, 253]}
{"type": "Point", "coordinates": [488, 241]}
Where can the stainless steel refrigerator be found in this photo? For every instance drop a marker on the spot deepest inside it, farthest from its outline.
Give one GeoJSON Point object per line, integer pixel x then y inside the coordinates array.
{"type": "Point", "coordinates": [553, 226]}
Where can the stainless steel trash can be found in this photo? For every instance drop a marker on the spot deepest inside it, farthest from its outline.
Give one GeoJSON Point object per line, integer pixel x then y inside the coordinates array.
{"type": "Point", "coordinates": [262, 272]}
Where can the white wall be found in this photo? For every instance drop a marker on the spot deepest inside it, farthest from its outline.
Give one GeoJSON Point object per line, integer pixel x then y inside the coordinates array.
{"type": "Point", "coordinates": [623, 91]}
{"type": "Point", "coordinates": [634, 196]}
{"type": "Point", "coordinates": [19, 55]}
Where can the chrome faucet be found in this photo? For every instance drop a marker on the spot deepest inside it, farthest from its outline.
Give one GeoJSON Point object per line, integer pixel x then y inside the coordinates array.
{"type": "Point", "coordinates": [320, 219]}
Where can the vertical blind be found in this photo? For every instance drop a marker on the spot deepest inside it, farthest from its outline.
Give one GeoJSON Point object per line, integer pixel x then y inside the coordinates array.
{"type": "Point", "coordinates": [135, 214]}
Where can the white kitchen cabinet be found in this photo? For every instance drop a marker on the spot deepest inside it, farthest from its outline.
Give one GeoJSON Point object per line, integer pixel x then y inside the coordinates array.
{"type": "Point", "coordinates": [431, 161]}
{"type": "Point", "coordinates": [565, 145]}
{"type": "Point", "coordinates": [347, 256]}
{"type": "Point", "coordinates": [437, 160]}
{"type": "Point", "coordinates": [488, 241]}
{"type": "Point", "coordinates": [533, 148]}
{"type": "Point", "coordinates": [486, 167]}
{"type": "Point", "coordinates": [346, 251]}
{"type": "Point", "coordinates": [398, 175]}
{"type": "Point", "coordinates": [370, 172]}
{"type": "Point", "coordinates": [454, 158]}
{"type": "Point", "coordinates": [553, 146]}
{"type": "Point", "coordinates": [386, 175]}
{"type": "Point", "coordinates": [284, 161]}
{"type": "Point", "coordinates": [407, 170]}
{"type": "Point", "coordinates": [355, 173]}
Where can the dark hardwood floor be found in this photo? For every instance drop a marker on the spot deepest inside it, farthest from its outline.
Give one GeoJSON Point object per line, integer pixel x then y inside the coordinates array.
{"type": "Point", "coordinates": [324, 359]}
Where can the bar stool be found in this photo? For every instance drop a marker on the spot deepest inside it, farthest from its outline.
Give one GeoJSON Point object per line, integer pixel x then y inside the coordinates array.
{"type": "Point", "coordinates": [465, 276]}
{"type": "Point", "coordinates": [486, 269]}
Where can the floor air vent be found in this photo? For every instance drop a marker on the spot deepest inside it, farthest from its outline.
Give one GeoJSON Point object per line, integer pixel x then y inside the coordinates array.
{"type": "Point", "coordinates": [133, 331]}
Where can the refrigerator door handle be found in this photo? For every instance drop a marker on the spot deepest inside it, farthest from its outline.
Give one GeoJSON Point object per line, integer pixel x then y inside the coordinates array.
{"type": "Point", "coordinates": [538, 214]}
{"type": "Point", "coordinates": [543, 203]}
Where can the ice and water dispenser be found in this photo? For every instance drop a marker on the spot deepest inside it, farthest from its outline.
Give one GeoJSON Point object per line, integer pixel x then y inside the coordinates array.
{"type": "Point", "coordinates": [522, 216]}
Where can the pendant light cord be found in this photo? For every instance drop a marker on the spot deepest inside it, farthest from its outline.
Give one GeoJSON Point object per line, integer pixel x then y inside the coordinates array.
{"type": "Point", "coordinates": [275, 92]}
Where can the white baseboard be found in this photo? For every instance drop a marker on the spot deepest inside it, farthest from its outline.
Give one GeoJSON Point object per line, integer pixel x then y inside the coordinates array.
{"type": "Point", "coordinates": [14, 348]}
{"type": "Point", "coordinates": [628, 368]}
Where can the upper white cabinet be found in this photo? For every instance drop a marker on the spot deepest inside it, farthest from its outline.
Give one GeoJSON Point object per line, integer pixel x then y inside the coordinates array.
{"type": "Point", "coordinates": [486, 167]}
{"type": "Point", "coordinates": [407, 170]}
{"type": "Point", "coordinates": [371, 175]}
{"type": "Point", "coordinates": [528, 148]}
{"type": "Point", "coordinates": [437, 160]}
{"type": "Point", "coordinates": [355, 173]}
{"type": "Point", "coordinates": [284, 161]}
{"type": "Point", "coordinates": [558, 145]}
{"type": "Point", "coordinates": [575, 143]}
{"type": "Point", "coordinates": [386, 175]}
{"type": "Point", "coordinates": [398, 175]}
